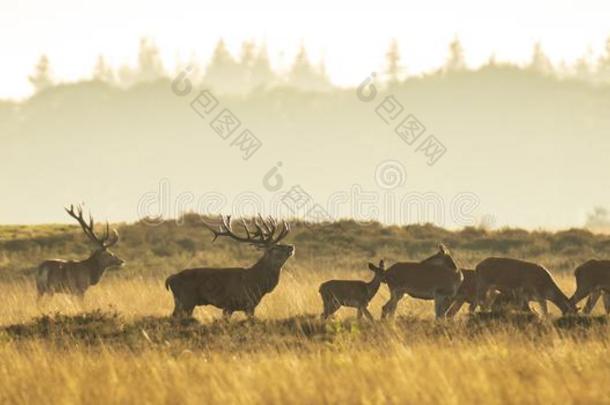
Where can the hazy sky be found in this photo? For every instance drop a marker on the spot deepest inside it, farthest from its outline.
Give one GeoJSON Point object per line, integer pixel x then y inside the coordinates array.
{"type": "Point", "coordinates": [351, 37]}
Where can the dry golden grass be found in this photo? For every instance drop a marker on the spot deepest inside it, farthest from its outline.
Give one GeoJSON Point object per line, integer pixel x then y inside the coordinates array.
{"type": "Point", "coordinates": [419, 361]}
{"type": "Point", "coordinates": [118, 346]}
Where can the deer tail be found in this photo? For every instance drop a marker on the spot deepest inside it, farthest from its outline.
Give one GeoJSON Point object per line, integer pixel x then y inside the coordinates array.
{"type": "Point", "coordinates": [167, 281]}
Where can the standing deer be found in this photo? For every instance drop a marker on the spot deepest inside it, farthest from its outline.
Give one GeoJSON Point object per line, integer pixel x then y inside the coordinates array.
{"type": "Point", "coordinates": [437, 278]}
{"type": "Point", "coordinates": [528, 280]}
{"type": "Point", "coordinates": [235, 288]}
{"type": "Point", "coordinates": [351, 293]}
{"type": "Point", "coordinates": [75, 277]}
{"type": "Point", "coordinates": [467, 293]}
{"type": "Point", "coordinates": [592, 280]}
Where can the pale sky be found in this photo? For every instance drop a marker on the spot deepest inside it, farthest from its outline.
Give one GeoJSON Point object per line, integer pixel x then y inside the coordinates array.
{"type": "Point", "coordinates": [351, 37]}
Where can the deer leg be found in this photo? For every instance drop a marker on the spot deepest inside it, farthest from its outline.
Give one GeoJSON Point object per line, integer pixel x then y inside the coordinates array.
{"type": "Point", "coordinates": [440, 305]}
{"type": "Point", "coordinates": [367, 314]}
{"type": "Point", "coordinates": [390, 307]}
{"type": "Point", "coordinates": [489, 298]}
{"type": "Point", "coordinates": [543, 306]}
{"type": "Point", "coordinates": [250, 312]}
{"type": "Point", "coordinates": [182, 309]}
{"type": "Point", "coordinates": [40, 295]}
{"type": "Point", "coordinates": [524, 304]}
{"type": "Point", "coordinates": [607, 302]}
{"type": "Point", "coordinates": [481, 297]}
{"type": "Point", "coordinates": [80, 296]}
{"type": "Point", "coordinates": [591, 301]}
{"type": "Point", "coordinates": [456, 306]}
{"type": "Point", "coordinates": [330, 307]}
{"type": "Point", "coordinates": [579, 294]}
{"type": "Point", "coordinates": [189, 310]}
{"type": "Point", "coordinates": [360, 313]}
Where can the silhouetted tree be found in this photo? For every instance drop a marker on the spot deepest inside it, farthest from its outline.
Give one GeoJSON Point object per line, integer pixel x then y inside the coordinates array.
{"type": "Point", "coordinates": [304, 76]}
{"type": "Point", "coordinates": [150, 67]}
{"type": "Point", "coordinates": [223, 73]}
{"type": "Point", "coordinates": [392, 58]}
{"type": "Point", "coordinates": [102, 71]}
{"type": "Point", "coordinates": [41, 78]}
{"type": "Point", "coordinates": [246, 63]}
{"type": "Point", "coordinates": [261, 73]}
{"type": "Point", "coordinates": [540, 62]}
{"type": "Point", "coordinates": [455, 61]}
{"type": "Point", "coordinates": [603, 66]}
{"type": "Point", "coordinates": [583, 69]}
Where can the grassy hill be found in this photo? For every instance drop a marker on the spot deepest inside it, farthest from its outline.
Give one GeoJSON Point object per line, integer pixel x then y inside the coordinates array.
{"type": "Point", "coordinates": [156, 251]}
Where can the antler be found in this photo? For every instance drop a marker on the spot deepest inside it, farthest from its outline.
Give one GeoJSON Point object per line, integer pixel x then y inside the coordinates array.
{"type": "Point", "coordinates": [106, 241]}
{"type": "Point", "coordinates": [262, 235]}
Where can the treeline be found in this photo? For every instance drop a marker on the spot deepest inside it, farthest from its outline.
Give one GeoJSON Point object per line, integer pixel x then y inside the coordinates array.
{"type": "Point", "coordinates": [251, 69]}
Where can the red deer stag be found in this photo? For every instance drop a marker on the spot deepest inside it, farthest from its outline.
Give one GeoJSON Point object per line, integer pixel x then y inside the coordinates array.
{"type": "Point", "coordinates": [75, 277]}
{"type": "Point", "coordinates": [351, 293]}
{"type": "Point", "coordinates": [467, 293]}
{"type": "Point", "coordinates": [592, 280]}
{"type": "Point", "coordinates": [529, 281]}
{"type": "Point", "coordinates": [437, 278]}
{"type": "Point", "coordinates": [236, 288]}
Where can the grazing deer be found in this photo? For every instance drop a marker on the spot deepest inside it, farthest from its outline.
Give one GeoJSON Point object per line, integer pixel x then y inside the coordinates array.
{"type": "Point", "coordinates": [592, 280]}
{"type": "Point", "coordinates": [351, 293]}
{"type": "Point", "coordinates": [527, 280]}
{"type": "Point", "coordinates": [437, 278]}
{"type": "Point", "coordinates": [75, 277]}
{"type": "Point", "coordinates": [467, 293]}
{"type": "Point", "coordinates": [235, 288]}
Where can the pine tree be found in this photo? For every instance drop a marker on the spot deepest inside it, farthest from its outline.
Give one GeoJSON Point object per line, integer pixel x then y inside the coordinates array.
{"type": "Point", "coordinates": [393, 63]}
{"type": "Point", "coordinates": [583, 69]}
{"type": "Point", "coordinates": [262, 75]}
{"type": "Point", "coordinates": [455, 61]}
{"type": "Point", "coordinates": [150, 67]}
{"type": "Point", "coordinates": [540, 62]}
{"type": "Point", "coordinates": [246, 62]}
{"type": "Point", "coordinates": [223, 73]}
{"type": "Point", "coordinates": [304, 76]}
{"type": "Point", "coordinates": [41, 78]}
{"type": "Point", "coordinates": [102, 71]}
{"type": "Point", "coordinates": [603, 65]}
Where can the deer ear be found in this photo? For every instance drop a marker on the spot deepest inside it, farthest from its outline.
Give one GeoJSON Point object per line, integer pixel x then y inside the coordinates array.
{"type": "Point", "coordinates": [372, 266]}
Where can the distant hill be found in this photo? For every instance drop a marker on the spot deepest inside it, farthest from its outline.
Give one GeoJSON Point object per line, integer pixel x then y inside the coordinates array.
{"type": "Point", "coordinates": [156, 251]}
{"type": "Point", "coordinates": [532, 149]}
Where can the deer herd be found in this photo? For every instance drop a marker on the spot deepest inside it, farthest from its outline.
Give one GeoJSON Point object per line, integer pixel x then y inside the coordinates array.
{"type": "Point", "coordinates": [495, 283]}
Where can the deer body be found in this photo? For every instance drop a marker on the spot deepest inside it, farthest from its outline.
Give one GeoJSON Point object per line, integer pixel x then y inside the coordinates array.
{"type": "Point", "coordinates": [592, 280]}
{"type": "Point", "coordinates": [467, 293]}
{"type": "Point", "coordinates": [75, 277]}
{"type": "Point", "coordinates": [230, 289]}
{"type": "Point", "coordinates": [351, 293]}
{"type": "Point", "coordinates": [437, 278]}
{"type": "Point", "coordinates": [528, 280]}
{"type": "Point", "coordinates": [236, 288]}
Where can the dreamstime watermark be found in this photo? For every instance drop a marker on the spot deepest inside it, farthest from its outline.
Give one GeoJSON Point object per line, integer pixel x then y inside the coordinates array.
{"type": "Point", "coordinates": [356, 202]}
{"type": "Point", "coordinates": [390, 174]}
{"type": "Point", "coordinates": [406, 126]}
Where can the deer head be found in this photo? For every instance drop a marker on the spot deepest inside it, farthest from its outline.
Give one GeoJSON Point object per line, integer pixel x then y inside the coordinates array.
{"type": "Point", "coordinates": [442, 258]}
{"type": "Point", "coordinates": [378, 270]}
{"type": "Point", "coordinates": [262, 233]}
{"type": "Point", "coordinates": [103, 256]}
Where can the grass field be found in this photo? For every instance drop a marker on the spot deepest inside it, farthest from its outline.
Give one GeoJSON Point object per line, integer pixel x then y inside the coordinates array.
{"type": "Point", "coordinates": [118, 346]}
